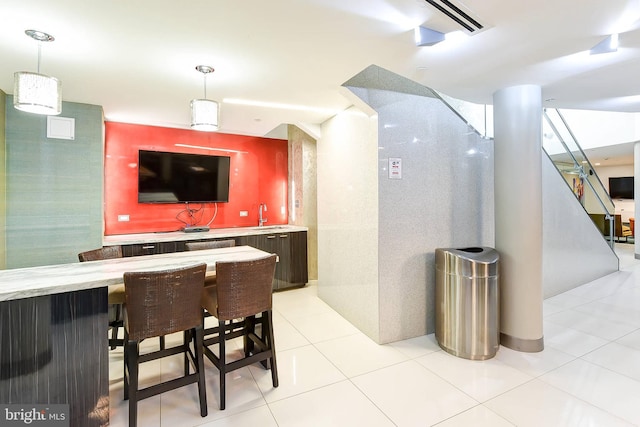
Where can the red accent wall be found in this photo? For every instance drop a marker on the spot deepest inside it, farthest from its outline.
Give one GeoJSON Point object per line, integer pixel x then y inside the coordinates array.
{"type": "Point", "coordinates": [258, 175]}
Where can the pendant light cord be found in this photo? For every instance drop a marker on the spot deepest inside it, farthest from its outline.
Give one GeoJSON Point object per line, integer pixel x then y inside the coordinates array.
{"type": "Point", "coordinates": [39, 54]}
{"type": "Point", "coordinates": [205, 85]}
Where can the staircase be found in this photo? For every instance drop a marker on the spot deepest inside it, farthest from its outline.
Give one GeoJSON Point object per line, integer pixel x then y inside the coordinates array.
{"type": "Point", "coordinates": [560, 144]}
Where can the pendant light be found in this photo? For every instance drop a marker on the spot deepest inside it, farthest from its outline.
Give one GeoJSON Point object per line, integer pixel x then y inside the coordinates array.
{"type": "Point", "coordinates": [204, 112]}
{"type": "Point", "coordinates": [34, 92]}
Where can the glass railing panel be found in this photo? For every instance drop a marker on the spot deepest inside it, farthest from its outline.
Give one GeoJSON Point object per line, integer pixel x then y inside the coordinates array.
{"type": "Point", "coordinates": [563, 149]}
{"type": "Point", "coordinates": [574, 166]}
{"type": "Point", "coordinates": [479, 116]}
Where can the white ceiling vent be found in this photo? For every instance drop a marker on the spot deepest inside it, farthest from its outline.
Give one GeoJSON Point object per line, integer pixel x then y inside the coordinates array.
{"type": "Point", "coordinates": [459, 15]}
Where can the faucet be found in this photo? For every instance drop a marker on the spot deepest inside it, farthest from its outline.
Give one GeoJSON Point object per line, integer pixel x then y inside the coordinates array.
{"type": "Point", "coordinates": [261, 208]}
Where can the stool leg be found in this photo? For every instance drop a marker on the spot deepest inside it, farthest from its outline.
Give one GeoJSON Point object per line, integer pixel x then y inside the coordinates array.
{"type": "Point", "coordinates": [114, 328]}
{"type": "Point", "coordinates": [270, 344]}
{"type": "Point", "coordinates": [198, 337]}
{"type": "Point", "coordinates": [222, 368]}
{"type": "Point", "coordinates": [132, 365]}
{"type": "Point", "coordinates": [186, 341]}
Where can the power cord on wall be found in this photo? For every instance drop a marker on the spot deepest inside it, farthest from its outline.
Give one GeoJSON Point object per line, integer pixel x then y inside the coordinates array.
{"type": "Point", "coordinates": [195, 215]}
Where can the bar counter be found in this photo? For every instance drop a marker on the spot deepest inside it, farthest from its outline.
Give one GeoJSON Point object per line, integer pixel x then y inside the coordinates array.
{"type": "Point", "coordinates": [53, 329]}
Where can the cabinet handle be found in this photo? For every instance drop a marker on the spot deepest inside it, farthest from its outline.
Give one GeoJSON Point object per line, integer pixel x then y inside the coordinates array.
{"type": "Point", "coordinates": [284, 236]}
{"type": "Point", "coordinates": [148, 247]}
{"type": "Point", "coordinates": [271, 237]}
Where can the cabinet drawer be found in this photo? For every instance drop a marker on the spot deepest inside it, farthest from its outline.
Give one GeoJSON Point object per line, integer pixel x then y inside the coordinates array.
{"type": "Point", "coordinates": [152, 248]}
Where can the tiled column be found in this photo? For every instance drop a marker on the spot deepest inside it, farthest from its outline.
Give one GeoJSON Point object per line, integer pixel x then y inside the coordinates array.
{"type": "Point", "coordinates": [518, 214]}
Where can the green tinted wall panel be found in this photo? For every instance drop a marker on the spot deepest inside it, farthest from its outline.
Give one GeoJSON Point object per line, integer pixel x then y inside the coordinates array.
{"type": "Point", "coordinates": [3, 181]}
{"type": "Point", "coordinates": [54, 187]}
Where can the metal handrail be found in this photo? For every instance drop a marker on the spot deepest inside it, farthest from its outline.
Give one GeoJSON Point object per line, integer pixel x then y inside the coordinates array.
{"type": "Point", "coordinates": [609, 216]}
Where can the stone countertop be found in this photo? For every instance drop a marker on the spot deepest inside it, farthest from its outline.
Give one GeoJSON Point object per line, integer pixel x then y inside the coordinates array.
{"type": "Point", "coordinates": [28, 282]}
{"type": "Point", "coordinates": [214, 233]}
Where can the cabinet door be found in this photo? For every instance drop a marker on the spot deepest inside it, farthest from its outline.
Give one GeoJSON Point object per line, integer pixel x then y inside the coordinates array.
{"type": "Point", "coordinates": [264, 242]}
{"type": "Point", "coordinates": [298, 270]}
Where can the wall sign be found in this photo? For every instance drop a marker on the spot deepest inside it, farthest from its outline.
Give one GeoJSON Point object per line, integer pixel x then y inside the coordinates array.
{"type": "Point", "coordinates": [395, 168]}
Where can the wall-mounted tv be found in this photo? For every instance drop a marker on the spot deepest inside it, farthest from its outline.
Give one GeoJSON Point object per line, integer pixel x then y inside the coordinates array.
{"type": "Point", "coordinates": [621, 187]}
{"type": "Point", "coordinates": [165, 177]}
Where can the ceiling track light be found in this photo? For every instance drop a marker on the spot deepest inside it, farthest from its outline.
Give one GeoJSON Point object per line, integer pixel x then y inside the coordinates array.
{"type": "Point", "coordinates": [34, 92]}
{"type": "Point", "coordinates": [427, 37]}
{"type": "Point", "coordinates": [204, 112]}
{"type": "Point", "coordinates": [608, 45]}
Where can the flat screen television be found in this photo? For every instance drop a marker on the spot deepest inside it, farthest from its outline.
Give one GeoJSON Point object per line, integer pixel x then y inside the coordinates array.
{"type": "Point", "coordinates": [621, 187]}
{"type": "Point", "coordinates": [165, 177]}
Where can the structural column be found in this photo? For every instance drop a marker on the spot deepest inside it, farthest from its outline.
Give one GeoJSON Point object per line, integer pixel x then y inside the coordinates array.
{"type": "Point", "coordinates": [518, 214]}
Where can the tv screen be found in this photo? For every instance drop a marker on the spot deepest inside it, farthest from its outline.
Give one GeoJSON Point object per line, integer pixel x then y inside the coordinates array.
{"type": "Point", "coordinates": [180, 178]}
{"type": "Point", "coordinates": [621, 188]}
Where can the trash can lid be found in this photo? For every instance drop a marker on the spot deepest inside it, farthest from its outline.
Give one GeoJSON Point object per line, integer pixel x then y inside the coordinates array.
{"type": "Point", "coordinates": [468, 262]}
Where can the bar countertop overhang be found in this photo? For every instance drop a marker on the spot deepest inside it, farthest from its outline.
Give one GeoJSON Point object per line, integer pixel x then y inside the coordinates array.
{"type": "Point", "coordinates": [53, 279]}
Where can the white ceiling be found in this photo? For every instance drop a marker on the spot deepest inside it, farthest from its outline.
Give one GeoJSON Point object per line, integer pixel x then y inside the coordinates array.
{"type": "Point", "coordinates": [137, 58]}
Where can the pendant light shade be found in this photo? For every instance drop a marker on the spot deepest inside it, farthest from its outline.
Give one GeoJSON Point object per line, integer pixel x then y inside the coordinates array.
{"type": "Point", "coordinates": [204, 115]}
{"type": "Point", "coordinates": [35, 92]}
{"type": "Point", "coordinates": [204, 112]}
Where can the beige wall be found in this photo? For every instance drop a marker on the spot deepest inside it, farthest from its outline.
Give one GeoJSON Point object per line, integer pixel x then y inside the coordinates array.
{"type": "Point", "coordinates": [348, 218]}
{"type": "Point", "coordinates": [303, 191]}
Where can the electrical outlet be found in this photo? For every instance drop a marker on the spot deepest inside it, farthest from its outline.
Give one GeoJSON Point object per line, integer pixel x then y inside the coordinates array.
{"type": "Point", "coordinates": [123, 218]}
{"type": "Point", "coordinates": [244, 213]}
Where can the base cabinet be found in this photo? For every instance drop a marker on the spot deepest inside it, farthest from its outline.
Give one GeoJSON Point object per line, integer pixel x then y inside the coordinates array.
{"type": "Point", "coordinates": [291, 248]}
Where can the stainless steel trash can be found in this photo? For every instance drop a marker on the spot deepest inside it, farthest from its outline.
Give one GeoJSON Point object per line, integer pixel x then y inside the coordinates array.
{"type": "Point", "coordinates": [467, 302]}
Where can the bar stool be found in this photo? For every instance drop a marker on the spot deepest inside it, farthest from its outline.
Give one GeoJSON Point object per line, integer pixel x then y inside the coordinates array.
{"type": "Point", "coordinates": [210, 278]}
{"type": "Point", "coordinates": [159, 303]}
{"type": "Point", "coordinates": [243, 291]}
{"type": "Point", "coordinates": [115, 292]}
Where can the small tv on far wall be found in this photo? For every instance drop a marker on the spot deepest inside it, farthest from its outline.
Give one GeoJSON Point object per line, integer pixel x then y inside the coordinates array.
{"type": "Point", "coordinates": [165, 177]}
{"type": "Point", "coordinates": [621, 187]}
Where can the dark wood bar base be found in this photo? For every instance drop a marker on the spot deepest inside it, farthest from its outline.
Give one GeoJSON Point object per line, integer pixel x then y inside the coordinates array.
{"type": "Point", "coordinates": [53, 350]}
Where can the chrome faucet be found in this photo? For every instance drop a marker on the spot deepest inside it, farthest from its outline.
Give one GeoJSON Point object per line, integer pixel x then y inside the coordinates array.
{"type": "Point", "coordinates": [261, 220]}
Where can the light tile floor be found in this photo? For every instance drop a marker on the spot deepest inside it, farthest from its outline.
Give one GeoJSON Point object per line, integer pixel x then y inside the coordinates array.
{"type": "Point", "coordinates": [333, 375]}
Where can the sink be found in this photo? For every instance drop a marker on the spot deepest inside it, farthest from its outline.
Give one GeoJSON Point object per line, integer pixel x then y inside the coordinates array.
{"type": "Point", "coordinates": [269, 227]}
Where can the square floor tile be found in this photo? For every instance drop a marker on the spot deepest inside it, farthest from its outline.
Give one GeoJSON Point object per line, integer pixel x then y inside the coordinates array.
{"type": "Point", "coordinates": [534, 364]}
{"type": "Point", "coordinates": [618, 358]}
{"type": "Point", "coordinates": [591, 323]}
{"type": "Point", "coordinates": [631, 340]}
{"type": "Point", "coordinates": [478, 416]}
{"type": "Point", "coordinates": [615, 313]}
{"type": "Point", "coordinates": [322, 327]}
{"type": "Point", "coordinates": [242, 392]}
{"type": "Point", "coordinates": [536, 404]}
{"type": "Point", "coordinates": [358, 354]}
{"type": "Point", "coordinates": [608, 390]}
{"type": "Point", "coordinates": [480, 379]}
{"type": "Point", "coordinates": [411, 395]}
{"type": "Point", "coordinates": [294, 303]}
{"type": "Point", "coordinates": [286, 335]}
{"type": "Point", "coordinates": [340, 404]}
{"type": "Point", "coordinates": [299, 370]}
{"type": "Point", "coordinates": [569, 340]}
{"type": "Point", "coordinates": [258, 417]}
{"type": "Point", "coordinates": [416, 347]}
